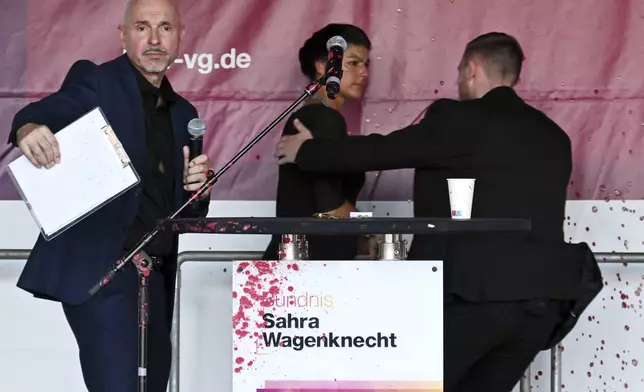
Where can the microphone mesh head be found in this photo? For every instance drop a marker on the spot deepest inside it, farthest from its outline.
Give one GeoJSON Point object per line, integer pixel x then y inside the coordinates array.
{"type": "Point", "coordinates": [196, 127]}
{"type": "Point", "coordinates": [336, 41]}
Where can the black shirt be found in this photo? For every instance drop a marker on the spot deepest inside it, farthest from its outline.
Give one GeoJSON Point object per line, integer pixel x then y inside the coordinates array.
{"type": "Point", "coordinates": [302, 194]}
{"type": "Point", "coordinates": [157, 177]}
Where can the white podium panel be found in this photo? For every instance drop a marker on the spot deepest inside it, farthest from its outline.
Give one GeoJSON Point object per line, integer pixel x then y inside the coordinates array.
{"type": "Point", "coordinates": [360, 325]}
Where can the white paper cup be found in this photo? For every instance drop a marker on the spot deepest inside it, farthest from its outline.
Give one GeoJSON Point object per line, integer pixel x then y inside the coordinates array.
{"type": "Point", "coordinates": [461, 193]}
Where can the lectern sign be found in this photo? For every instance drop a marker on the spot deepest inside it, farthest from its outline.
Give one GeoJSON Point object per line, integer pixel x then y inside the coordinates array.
{"type": "Point", "coordinates": [352, 325]}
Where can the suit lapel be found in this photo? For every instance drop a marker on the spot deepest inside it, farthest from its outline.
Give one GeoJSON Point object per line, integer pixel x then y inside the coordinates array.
{"type": "Point", "coordinates": [134, 143]}
{"type": "Point", "coordinates": [179, 124]}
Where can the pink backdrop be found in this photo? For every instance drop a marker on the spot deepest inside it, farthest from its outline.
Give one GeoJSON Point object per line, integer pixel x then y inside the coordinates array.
{"type": "Point", "coordinates": [584, 68]}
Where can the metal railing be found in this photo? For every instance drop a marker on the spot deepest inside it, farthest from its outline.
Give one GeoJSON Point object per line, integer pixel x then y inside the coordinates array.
{"type": "Point", "coordinates": [223, 256]}
{"type": "Point", "coordinates": [199, 256]}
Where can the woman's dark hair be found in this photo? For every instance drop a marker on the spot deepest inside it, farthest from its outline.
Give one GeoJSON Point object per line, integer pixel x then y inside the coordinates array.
{"type": "Point", "coordinates": [314, 48]}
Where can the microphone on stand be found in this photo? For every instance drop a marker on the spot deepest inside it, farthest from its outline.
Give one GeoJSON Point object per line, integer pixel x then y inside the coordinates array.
{"type": "Point", "coordinates": [336, 47]}
{"type": "Point", "coordinates": [196, 129]}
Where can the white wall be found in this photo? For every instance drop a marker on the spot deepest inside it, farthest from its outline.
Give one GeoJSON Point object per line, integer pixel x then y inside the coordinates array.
{"type": "Point", "coordinates": [37, 351]}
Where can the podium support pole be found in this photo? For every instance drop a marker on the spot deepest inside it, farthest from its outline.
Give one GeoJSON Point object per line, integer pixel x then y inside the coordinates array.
{"type": "Point", "coordinates": [294, 247]}
{"type": "Point", "coordinates": [393, 247]}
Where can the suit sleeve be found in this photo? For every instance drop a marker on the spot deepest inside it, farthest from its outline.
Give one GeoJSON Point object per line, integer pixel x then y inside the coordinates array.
{"type": "Point", "coordinates": [77, 96]}
{"type": "Point", "coordinates": [436, 141]}
{"type": "Point", "coordinates": [78, 71]}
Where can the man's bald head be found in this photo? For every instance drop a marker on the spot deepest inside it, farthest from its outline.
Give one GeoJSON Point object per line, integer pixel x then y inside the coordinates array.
{"type": "Point", "coordinates": [151, 33]}
{"type": "Point", "coordinates": [131, 4]}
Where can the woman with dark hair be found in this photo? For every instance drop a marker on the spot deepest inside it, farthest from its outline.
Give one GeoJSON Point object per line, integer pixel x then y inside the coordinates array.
{"type": "Point", "coordinates": [334, 195]}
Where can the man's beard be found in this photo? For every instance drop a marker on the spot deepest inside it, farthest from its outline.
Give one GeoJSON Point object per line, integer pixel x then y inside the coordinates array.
{"type": "Point", "coordinates": [155, 68]}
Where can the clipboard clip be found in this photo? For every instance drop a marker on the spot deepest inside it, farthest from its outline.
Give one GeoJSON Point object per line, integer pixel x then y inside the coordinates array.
{"type": "Point", "coordinates": [116, 144]}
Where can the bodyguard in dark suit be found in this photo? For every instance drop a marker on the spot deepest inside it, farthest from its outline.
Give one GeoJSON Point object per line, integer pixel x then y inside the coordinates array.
{"type": "Point", "coordinates": [505, 293]}
{"type": "Point", "coordinates": [150, 119]}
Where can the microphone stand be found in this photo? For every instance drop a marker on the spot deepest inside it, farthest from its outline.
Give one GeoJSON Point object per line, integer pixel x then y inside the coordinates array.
{"type": "Point", "coordinates": [145, 265]}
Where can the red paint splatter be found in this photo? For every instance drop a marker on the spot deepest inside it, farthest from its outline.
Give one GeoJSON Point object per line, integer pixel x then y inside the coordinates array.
{"type": "Point", "coordinates": [260, 289]}
{"type": "Point", "coordinates": [245, 302]}
{"type": "Point", "coordinates": [263, 267]}
{"type": "Point", "coordinates": [296, 267]}
{"type": "Point", "coordinates": [290, 288]}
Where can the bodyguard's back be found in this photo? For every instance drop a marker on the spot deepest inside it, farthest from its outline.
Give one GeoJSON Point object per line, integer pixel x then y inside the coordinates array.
{"type": "Point", "coordinates": [523, 164]}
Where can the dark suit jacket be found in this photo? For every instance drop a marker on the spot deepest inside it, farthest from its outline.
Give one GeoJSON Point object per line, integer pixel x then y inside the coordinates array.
{"type": "Point", "coordinates": [65, 268]}
{"type": "Point", "coordinates": [522, 164]}
{"type": "Point", "coordinates": [77, 71]}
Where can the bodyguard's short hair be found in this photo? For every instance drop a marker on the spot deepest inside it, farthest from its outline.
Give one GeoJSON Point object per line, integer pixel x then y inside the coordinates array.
{"type": "Point", "coordinates": [501, 53]}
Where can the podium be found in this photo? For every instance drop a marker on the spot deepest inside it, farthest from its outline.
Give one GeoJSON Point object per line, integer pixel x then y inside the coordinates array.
{"type": "Point", "coordinates": [251, 225]}
{"type": "Point", "coordinates": [337, 325]}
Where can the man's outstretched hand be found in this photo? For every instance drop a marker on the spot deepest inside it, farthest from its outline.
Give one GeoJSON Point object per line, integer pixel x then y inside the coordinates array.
{"type": "Point", "coordinates": [39, 145]}
{"type": "Point", "coordinates": [288, 146]}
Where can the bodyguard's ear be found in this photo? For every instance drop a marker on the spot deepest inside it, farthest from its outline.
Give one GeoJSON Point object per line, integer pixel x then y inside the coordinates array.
{"type": "Point", "coordinates": [470, 69]}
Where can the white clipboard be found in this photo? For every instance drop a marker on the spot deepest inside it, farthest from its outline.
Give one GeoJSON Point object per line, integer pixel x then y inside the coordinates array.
{"type": "Point", "coordinates": [94, 169]}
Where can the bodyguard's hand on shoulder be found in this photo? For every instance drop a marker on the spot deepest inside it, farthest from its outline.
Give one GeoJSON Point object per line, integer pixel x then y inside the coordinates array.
{"type": "Point", "coordinates": [288, 146]}
{"type": "Point", "coordinates": [39, 145]}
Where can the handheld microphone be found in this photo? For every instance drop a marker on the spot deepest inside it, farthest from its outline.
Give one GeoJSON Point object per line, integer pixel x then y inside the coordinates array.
{"type": "Point", "coordinates": [336, 47]}
{"type": "Point", "coordinates": [196, 129]}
